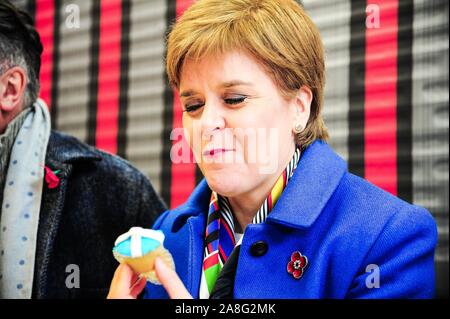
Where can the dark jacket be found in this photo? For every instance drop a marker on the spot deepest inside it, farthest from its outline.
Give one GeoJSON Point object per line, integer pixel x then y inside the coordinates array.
{"type": "Point", "coordinates": [100, 196]}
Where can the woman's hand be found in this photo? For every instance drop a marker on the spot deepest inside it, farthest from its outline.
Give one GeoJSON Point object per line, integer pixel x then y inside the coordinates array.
{"type": "Point", "coordinates": [126, 285]}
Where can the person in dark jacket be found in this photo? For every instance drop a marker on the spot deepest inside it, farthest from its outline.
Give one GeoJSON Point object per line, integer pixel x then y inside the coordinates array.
{"type": "Point", "coordinates": [62, 202]}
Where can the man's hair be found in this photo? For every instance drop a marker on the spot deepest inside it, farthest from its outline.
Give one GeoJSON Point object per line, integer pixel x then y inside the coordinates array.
{"type": "Point", "coordinates": [20, 45]}
{"type": "Point", "coordinates": [276, 33]}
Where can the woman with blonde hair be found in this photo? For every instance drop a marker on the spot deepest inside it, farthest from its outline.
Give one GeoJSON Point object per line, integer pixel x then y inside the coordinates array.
{"type": "Point", "coordinates": [278, 215]}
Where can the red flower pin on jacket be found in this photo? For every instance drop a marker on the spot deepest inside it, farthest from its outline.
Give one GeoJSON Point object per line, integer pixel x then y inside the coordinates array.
{"type": "Point", "coordinates": [50, 178]}
{"type": "Point", "coordinates": [297, 264]}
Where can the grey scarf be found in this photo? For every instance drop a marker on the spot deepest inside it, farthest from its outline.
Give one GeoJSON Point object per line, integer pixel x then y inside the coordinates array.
{"type": "Point", "coordinates": [21, 204]}
{"type": "Point", "coordinates": [6, 142]}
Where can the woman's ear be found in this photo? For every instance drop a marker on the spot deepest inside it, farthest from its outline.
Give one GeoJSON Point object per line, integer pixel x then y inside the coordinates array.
{"type": "Point", "coordinates": [12, 89]}
{"type": "Point", "coordinates": [302, 105]}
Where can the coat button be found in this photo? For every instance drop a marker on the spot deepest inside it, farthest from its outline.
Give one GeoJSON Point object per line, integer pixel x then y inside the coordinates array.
{"type": "Point", "coordinates": [259, 248]}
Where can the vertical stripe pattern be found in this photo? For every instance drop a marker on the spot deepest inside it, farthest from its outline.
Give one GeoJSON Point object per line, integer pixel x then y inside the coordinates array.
{"type": "Point", "coordinates": [335, 33]}
{"type": "Point", "coordinates": [74, 70]}
{"type": "Point", "coordinates": [184, 173]}
{"type": "Point", "coordinates": [430, 125]}
{"type": "Point", "coordinates": [380, 153]}
{"type": "Point", "coordinates": [108, 75]}
{"type": "Point", "coordinates": [404, 100]}
{"type": "Point", "coordinates": [123, 90]}
{"type": "Point", "coordinates": [145, 125]}
{"type": "Point", "coordinates": [166, 172]}
{"type": "Point", "coordinates": [55, 60]}
{"type": "Point", "coordinates": [93, 73]}
{"type": "Point", "coordinates": [356, 118]}
{"type": "Point", "coordinates": [44, 21]}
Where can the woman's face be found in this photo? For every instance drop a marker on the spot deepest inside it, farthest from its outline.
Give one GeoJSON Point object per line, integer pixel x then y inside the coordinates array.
{"type": "Point", "coordinates": [236, 121]}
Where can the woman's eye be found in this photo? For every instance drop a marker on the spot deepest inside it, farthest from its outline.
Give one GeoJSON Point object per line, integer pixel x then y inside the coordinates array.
{"type": "Point", "coordinates": [235, 100]}
{"type": "Point", "coordinates": [192, 108]}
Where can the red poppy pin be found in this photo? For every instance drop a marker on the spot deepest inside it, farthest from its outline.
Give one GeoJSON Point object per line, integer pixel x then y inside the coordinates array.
{"type": "Point", "coordinates": [296, 266]}
{"type": "Point", "coordinates": [50, 178]}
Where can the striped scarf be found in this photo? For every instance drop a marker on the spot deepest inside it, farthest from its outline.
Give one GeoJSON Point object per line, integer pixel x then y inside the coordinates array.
{"type": "Point", "coordinates": [220, 238]}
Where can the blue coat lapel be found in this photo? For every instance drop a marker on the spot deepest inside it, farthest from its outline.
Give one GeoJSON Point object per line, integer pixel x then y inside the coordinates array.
{"type": "Point", "coordinates": [316, 177]}
{"type": "Point", "coordinates": [184, 228]}
{"type": "Point", "coordinates": [186, 246]}
{"type": "Point", "coordinates": [197, 227]}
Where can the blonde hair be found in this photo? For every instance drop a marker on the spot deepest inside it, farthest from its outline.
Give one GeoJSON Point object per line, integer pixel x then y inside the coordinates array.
{"type": "Point", "coordinates": [277, 33]}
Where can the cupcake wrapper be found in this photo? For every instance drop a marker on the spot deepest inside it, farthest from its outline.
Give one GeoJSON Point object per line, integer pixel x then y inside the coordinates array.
{"type": "Point", "coordinates": [166, 257]}
{"type": "Point", "coordinates": [145, 265]}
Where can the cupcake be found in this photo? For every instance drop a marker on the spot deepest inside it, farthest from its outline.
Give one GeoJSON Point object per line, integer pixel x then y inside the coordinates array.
{"type": "Point", "coordinates": [138, 248]}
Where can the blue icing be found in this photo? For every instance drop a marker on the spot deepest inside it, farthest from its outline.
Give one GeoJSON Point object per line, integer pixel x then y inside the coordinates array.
{"type": "Point", "coordinates": [148, 244]}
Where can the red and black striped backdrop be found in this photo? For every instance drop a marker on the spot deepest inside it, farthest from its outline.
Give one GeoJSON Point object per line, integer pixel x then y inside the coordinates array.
{"type": "Point", "coordinates": [386, 99]}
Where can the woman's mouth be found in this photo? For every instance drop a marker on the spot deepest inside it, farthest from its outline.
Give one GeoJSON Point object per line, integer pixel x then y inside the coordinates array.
{"type": "Point", "coordinates": [215, 151]}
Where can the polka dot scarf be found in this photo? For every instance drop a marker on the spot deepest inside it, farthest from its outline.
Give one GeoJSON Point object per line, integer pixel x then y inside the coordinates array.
{"type": "Point", "coordinates": [21, 204]}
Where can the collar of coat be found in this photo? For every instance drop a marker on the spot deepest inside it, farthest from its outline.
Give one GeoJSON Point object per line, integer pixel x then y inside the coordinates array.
{"type": "Point", "coordinates": [317, 175]}
{"type": "Point", "coordinates": [66, 149]}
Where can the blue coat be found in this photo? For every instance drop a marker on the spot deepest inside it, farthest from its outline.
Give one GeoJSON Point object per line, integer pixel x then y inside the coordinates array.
{"type": "Point", "coordinates": [351, 231]}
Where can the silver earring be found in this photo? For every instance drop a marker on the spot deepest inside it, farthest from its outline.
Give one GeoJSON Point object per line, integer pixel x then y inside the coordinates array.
{"type": "Point", "coordinates": [298, 128]}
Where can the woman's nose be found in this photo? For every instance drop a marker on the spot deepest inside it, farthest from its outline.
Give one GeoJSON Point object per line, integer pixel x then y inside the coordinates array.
{"type": "Point", "coordinates": [212, 119]}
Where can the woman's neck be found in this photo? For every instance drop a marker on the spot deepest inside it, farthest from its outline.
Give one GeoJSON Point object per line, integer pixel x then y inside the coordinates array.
{"type": "Point", "coordinates": [245, 206]}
